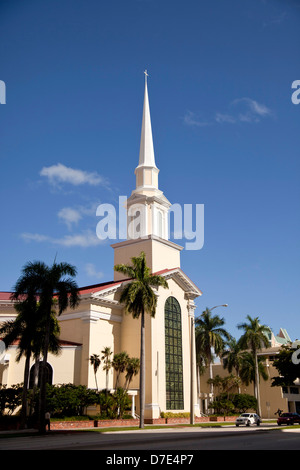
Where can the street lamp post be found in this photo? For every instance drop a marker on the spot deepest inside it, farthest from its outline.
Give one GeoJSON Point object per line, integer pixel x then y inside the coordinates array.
{"type": "Point", "coordinates": [223, 305]}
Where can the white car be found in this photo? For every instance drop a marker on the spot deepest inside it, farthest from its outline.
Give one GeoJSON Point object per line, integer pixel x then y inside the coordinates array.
{"type": "Point", "coordinates": [247, 419]}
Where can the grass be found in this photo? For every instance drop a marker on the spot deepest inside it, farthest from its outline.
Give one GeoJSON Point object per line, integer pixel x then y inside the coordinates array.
{"type": "Point", "coordinates": [13, 434]}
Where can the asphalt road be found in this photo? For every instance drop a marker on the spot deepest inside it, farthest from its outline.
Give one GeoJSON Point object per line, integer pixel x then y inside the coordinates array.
{"type": "Point", "coordinates": [177, 441]}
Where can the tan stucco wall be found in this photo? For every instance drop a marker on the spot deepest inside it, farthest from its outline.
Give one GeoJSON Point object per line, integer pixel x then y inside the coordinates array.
{"type": "Point", "coordinates": [94, 326]}
{"type": "Point", "coordinates": [271, 398]}
{"type": "Point", "coordinates": [159, 254]}
{"type": "Point", "coordinates": [65, 367]}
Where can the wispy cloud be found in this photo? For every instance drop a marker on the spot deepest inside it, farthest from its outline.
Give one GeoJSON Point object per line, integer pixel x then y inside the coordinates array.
{"type": "Point", "coordinates": [190, 119]}
{"type": "Point", "coordinates": [239, 110]}
{"type": "Point", "coordinates": [276, 19]}
{"type": "Point", "coordinates": [57, 174]}
{"type": "Point", "coordinates": [71, 216]}
{"type": "Point", "coordinates": [84, 240]}
{"type": "Point", "coordinates": [249, 110]}
{"type": "Point", "coordinates": [92, 271]}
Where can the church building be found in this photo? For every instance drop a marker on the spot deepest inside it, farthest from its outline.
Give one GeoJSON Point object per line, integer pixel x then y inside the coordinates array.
{"type": "Point", "coordinates": [100, 320]}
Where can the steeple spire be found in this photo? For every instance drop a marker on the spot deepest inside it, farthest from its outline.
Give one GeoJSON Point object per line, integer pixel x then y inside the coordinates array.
{"type": "Point", "coordinates": [147, 207]}
{"type": "Point", "coordinates": [146, 146]}
{"type": "Point", "coordinates": [146, 157]}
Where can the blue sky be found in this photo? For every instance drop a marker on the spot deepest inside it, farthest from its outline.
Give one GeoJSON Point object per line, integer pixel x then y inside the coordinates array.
{"type": "Point", "coordinates": [226, 135]}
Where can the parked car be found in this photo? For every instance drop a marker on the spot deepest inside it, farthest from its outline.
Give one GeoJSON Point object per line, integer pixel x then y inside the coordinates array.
{"type": "Point", "coordinates": [247, 419]}
{"type": "Point", "coordinates": [288, 418]}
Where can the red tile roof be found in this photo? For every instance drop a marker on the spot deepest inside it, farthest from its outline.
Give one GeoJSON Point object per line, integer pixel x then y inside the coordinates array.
{"type": "Point", "coordinates": [95, 287]}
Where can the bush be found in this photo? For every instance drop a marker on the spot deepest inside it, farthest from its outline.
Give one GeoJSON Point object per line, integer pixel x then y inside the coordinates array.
{"type": "Point", "coordinates": [170, 414]}
{"type": "Point", "coordinates": [244, 402]}
{"type": "Point", "coordinates": [234, 403]}
{"type": "Point", "coordinates": [69, 400]}
{"type": "Point", "coordinates": [10, 398]}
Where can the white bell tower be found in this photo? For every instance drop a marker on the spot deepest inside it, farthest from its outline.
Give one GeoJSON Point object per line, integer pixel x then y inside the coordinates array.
{"type": "Point", "coordinates": [147, 207]}
{"type": "Point", "coordinates": [147, 210]}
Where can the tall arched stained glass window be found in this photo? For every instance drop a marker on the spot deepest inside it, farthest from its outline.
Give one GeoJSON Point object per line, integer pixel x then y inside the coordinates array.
{"type": "Point", "coordinates": [173, 347]}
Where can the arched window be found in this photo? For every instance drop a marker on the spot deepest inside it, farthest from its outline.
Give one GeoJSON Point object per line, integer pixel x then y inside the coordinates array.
{"type": "Point", "coordinates": [49, 374]}
{"type": "Point", "coordinates": [173, 351]}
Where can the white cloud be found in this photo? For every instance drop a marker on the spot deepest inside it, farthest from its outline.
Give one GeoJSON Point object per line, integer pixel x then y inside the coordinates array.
{"type": "Point", "coordinates": [62, 174]}
{"type": "Point", "coordinates": [240, 110]}
{"type": "Point", "coordinates": [72, 215]}
{"type": "Point", "coordinates": [244, 110]}
{"type": "Point", "coordinates": [69, 216]}
{"type": "Point", "coordinates": [84, 240]}
{"type": "Point", "coordinates": [191, 120]}
{"type": "Point", "coordinates": [34, 237]}
{"type": "Point", "coordinates": [91, 271]}
{"type": "Point", "coordinates": [220, 117]}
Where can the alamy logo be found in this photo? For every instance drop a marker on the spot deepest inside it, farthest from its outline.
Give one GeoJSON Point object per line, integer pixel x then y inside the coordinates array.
{"type": "Point", "coordinates": [296, 354]}
{"type": "Point", "coordinates": [296, 94]}
{"type": "Point", "coordinates": [2, 92]}
{"type": "Point", "coordinates": [187, 222]}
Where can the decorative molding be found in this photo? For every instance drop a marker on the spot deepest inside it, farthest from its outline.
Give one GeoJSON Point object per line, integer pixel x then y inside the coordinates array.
{"type": "Point", "coordinates": [91, 316]}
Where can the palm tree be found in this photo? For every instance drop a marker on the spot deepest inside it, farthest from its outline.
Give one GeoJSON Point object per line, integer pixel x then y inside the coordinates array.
{"type": "Point", "coordinates": [247, 372]}
{"type": "Point", "coordinates": [119, 363]}
{"type": "Point", "coordinates": [132, 369]}
{"type": "Point", "coordinates": [23, 329]}
{"type": "Point", "coordinates": [139, 298]}
{"type": "Point", "coordinates": [232, 357]}
{"type": "Point", "coordinates": [254, 338]}
{"type": "Point", "coordinates": [106, 353]}
{"type": "Point", "coordinates": [27, 329]}
{"type": "Point", "coordinates": [46, 283]}
{"type": "Point", "coordinates": [38, 344]}
{"type": "Point", "coordinates": [231, 382]}
{"type": "Point", "coordinates": [95, 362]}
{"type": "Point", "coordinates": [210, 334]}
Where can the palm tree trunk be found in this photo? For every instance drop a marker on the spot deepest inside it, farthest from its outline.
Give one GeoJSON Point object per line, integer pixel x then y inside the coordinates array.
{"type": "Point", "coordinates": [35, 382]}
{"type": "Point", "coordinates": [42, 421]}
{"type": "Point", "coordinates": [257, 385]}
{"type": "Point", "coordinates": [142, 371]}
{"type": "Point", "coordinates": [25, 389]}
{"type": "Point", "coordinates": [106, 381]}
{"type": "Point", "coordinates": [211, 378]}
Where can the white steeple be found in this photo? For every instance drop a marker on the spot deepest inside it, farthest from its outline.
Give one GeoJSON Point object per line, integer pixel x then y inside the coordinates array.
{"type": "Point", "coordinates": [146, 146]}
{"type": "Point", "coordinates": [147, 207]}
{"type": "Point", "coordinates": [146, 172]}
{"type": "Point", "coordinates": [147, 210]}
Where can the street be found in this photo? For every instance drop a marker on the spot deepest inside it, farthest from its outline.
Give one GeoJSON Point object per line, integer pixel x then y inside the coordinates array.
{"type": "Point", "coordinates": [176, 440]}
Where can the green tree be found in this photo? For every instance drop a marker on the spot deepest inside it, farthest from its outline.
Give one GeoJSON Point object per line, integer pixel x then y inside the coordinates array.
{"type": "Point", "coordinates": [287, 369]}
{"type": "Point", "coordinates": [243, 402]}
{"type": "Point", "coordinates": [106, 358]}
{"type": "Point", "coordinates": [27, 329]}
{"type": "Point", "coordinates": [139, 298]}
{"type": "Point", "coordinates": [95, 361]}
{"type": "Point", "coordinates": [23, 328]}
{"type": "Point", "coordinates": [122, 401]}
{"type": "Point", "coordinates": [210, 335]}
{"type": "Point", "coordinates": [247, 372]}
{"type": "Point", "coordinates": [46, 283]}
{"type": "Point", "coordinates": [119, 363]}
{"type": "Point", "coordinates": [232, 357]}
{"type": "Point", "coordinates": [132, 369]}
{"type": "Point", "coordinates": [254, 338]}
